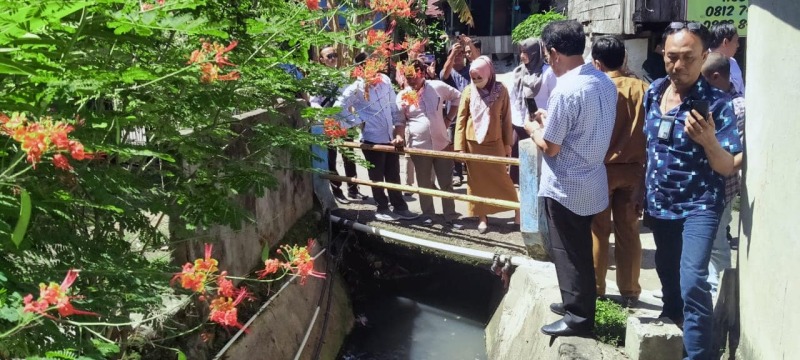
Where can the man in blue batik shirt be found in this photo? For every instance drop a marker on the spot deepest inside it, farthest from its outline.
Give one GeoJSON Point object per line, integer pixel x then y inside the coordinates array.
{"type": "Point", "coordinates": [688, 155]}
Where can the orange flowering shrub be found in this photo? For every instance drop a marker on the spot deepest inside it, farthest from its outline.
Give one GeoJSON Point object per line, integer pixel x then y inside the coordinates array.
{"type": "Point", "coordinates": [43, 137]}
{"type": "Point", "coordinates": [312, 4]}
{"type": "Point", "coordinates": [370, 71]}
{"type": "Point", "coordinates": [199, 276]}
{"type": "Point", "coordinates": [333, 129]}
{"type": "Point", "coordinates": [410, 97]}
{"type": "Point", "coordinates": [210, 69]}
{"type": "Point", "coordinates": [399, 8]}
{"type": "Point", "coordinates": [55, 296]}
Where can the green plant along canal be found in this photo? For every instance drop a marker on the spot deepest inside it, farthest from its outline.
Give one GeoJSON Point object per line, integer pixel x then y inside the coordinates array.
{"type": "Point", "coordinates": [414, 305]}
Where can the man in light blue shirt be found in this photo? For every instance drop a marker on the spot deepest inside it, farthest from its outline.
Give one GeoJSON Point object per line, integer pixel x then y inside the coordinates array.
{"type": "Point", "coordinates": [574, 135]}
{"type": "Point", "coordinates": [374, 106]}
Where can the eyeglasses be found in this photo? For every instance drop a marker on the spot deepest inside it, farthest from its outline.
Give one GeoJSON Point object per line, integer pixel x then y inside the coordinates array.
{"type": "Point", "coordinates": [677, 25]}
{"type": "Point", "coordinates": [331, 56]}
{"type": "Point", "coordinates": [692, 26]}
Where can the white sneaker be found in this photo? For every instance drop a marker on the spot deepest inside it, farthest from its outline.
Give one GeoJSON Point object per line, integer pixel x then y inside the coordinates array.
{"type": "Point", "coordinates": [386, 215]}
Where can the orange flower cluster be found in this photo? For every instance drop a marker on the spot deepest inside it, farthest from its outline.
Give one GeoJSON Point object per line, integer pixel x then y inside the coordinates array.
{"type": "Point", "coordinates": [198, 275]}
{"type": "Point", "coordinates": [370, 71]}
{"type": "Point", "coordinates": [377, 37]}
{"type": "Point", "coordinates": [312, 4]}
{"type": "Point", "coordinates": [210, 69]}
{"type": "Point", "coordinates": [148, 6]}
{"type": "Point", "coordinates": [333, 129]}
{"type": "Point", "coordinates": [415, 46]}
{"type": "Point", "coordinates": [194, 276]}
{"type": "Point", "coordinates": [398, 8]}
{"type": "Point", "coordinates": [224, 311]}
{"type": "Point", "coordinates": [298, 261]}
{"type": "Point", "coordinates": [54, 296]}
{"type": "Point", "coordinates": [39, 138]}
{"type": "Point", "coordinates": [408, 70]}
{"type": "Point", "coordinates": [410, 97]}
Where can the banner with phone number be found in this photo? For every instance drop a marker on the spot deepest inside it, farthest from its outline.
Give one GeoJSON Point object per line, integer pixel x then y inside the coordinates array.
{"type": "Point", "coordinates": [712, 12]}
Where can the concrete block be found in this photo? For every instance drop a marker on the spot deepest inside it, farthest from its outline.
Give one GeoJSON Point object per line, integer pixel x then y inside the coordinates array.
{"type": "Point", "coordinates": [653, 339]}
{"type": "Point", "coordinates": [533, 225]}
{"type": "Point", "coordinates": [513, 332]}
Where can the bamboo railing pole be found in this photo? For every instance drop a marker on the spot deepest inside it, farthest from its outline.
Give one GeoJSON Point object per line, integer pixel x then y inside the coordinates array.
{"type": "Point", "coordinates": [436, 154]}
{"type": "Point", "coordinates": [437, 193]}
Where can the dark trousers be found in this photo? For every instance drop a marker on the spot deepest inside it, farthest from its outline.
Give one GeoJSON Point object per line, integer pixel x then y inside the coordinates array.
{"type": "Point", "coordinates": [349, 171]}
{"type": "Point", "coordinates": [458, 166]}
{"type": "Point", "coordinates": [571, 249]}
{"type": "Point", "coordinates": [519, 135]}
{"type": "Point", "coordinates": [683, 250]}
{"type": "Point", "coordinates": [385, 167]}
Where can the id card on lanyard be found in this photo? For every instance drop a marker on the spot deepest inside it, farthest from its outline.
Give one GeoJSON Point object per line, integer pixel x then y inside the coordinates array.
{"type": "Point", "coordinates": [665, 127]}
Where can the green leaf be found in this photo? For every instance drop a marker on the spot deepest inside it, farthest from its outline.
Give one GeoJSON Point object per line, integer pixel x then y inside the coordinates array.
{"type": "Point", "coordinates": [148, 153]}
{"type": "Point", "coordinates": [134, 74]}
{"type": "Point", "coordinates": [8, 66]}
{"type": "Point", "coordinates": [181, 355]}
{"type": "Point", "coordinates": [105, 348]}
{"type": "Point", "coordinates": [10, 314]}
{"type": "Point", "coordinates": [24, 218]}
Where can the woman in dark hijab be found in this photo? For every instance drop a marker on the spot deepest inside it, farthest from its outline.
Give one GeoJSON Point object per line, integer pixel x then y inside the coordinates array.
{"type": "Point", "coordinates": [528, 81]}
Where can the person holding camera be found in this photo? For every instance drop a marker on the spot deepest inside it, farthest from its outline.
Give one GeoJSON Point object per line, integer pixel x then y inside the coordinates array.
{"type": "Point", "coordinates": [455, 73]}
{"type": "Point", "coordinates": [691, 135]}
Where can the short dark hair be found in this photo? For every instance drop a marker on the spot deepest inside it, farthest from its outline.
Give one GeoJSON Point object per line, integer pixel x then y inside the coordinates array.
{"type": "Point", "coordinates": [418, 66]}
{"type": "Point", "coordinates": [323, 47]}
{"type": "Point", "coordinates": [695, 28]}
{"type": "Point", "coordinates": [360, 58]}
{"type": "Point", "coordinates": [610, 51]}
{"type": "Point", "coordinates": [720, 32]}
{"type": "Point", "coordinates": [477, 44]}
{"type": "Point", "coordinates": [566, 36]}
{"type": "Point", "coordinates": [717, 62]}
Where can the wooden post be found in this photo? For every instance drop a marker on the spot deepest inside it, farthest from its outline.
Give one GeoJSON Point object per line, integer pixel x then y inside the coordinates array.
{"type": "Point", "coordinates": [437, 193]}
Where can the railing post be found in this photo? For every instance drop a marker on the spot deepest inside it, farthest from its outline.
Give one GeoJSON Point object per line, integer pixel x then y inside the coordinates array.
{"type": "Point", "coordinates": [322, 187]}
{"type": "Point", "coordinates": [533, 223]}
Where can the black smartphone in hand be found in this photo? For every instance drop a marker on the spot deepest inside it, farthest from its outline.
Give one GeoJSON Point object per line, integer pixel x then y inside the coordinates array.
{"type": "Point", "coordinates": [701, 106]}
{"type": "Point", "coordinates": [532, 108]}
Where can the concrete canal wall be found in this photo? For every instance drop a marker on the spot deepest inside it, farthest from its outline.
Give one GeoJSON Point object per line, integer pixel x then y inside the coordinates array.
{"type": "Point", "coordinates": [513, 332]}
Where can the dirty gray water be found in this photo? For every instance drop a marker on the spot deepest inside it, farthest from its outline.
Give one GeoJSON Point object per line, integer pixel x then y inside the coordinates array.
{"type": "Point", "coordinates": [400, 328]}
{"type": "Point", "coordinates": [414, 306]}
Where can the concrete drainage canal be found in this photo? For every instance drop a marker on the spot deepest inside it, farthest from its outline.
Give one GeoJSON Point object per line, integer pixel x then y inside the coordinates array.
{"type": "Point", "coordinates": [389, 296]}
{"type": "Point", "coordinates": [409, 304]}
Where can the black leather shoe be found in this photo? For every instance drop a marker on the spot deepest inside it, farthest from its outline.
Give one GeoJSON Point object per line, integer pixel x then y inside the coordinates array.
{"type": "Point", "coordinates": [560, 328]}
{"type": "Point", "coordinates": [558, 308]}
{"type": "Point", "coordinates": [357, 196]}
{"type": "Point", "coordinates": [339, 197]}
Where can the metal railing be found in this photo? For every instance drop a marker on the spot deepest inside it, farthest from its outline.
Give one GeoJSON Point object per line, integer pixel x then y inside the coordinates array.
{"type": "Point", "coordinates": [514, 205]}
